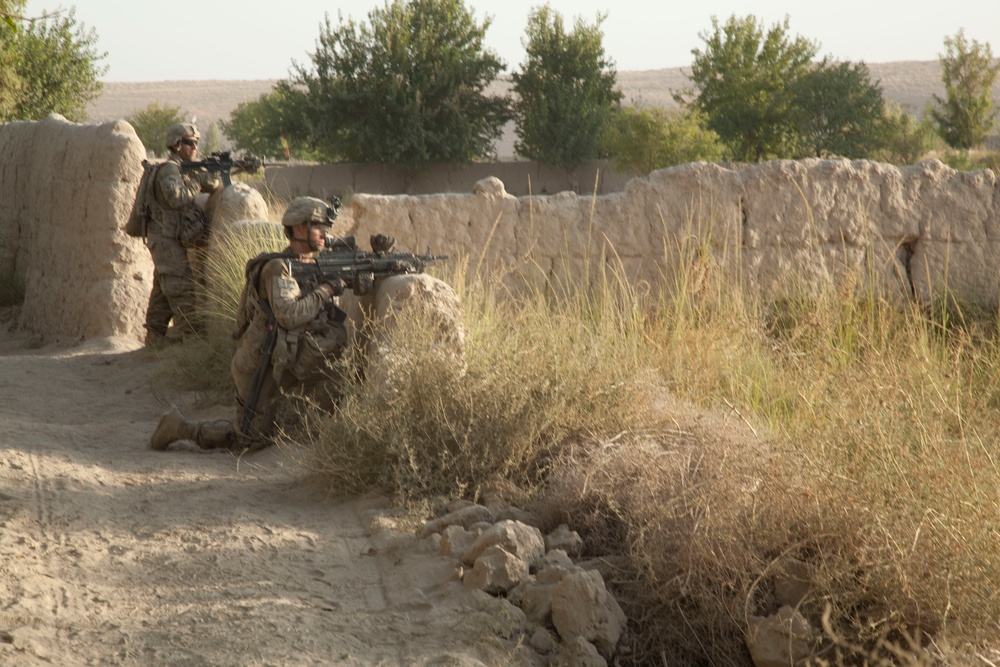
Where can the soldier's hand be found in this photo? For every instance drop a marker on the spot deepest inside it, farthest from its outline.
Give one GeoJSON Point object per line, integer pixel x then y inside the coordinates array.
{"type": "Point", "coordinates": [206, 180]}
{"type": "Point", "coordinates": [382, 243]}
{"type": "Point", "coordinates": [337, 285]}
{"type": "Point", "coordinates": [211, 182]}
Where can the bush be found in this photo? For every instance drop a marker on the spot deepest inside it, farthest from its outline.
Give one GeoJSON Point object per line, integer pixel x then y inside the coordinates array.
{"type": "Point", "coordinates": [540, 373]}
{"type": "Point", "coordinates": [643, 139]}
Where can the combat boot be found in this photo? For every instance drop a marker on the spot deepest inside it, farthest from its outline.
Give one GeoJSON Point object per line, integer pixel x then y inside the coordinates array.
{"type": "Point", "coordinates": [217, 434]}
{"type": "Point", "coordinates": [171, 428]}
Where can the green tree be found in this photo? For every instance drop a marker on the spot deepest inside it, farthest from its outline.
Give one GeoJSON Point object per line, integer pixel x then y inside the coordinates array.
{"type": "Point", "coordinates": [10, 81]}
{"type": "Point", "coordinates": [151, 123]}
{"type": "Point", "coordinates": [841, 111]}
{"type": "Point", "coordinates": [565, 92]}
{"type": "Point", "coordinates": [965, 117]}
{"type": "Point", "coordinates": [406, 89]}
{"type": "Point", "coordinates": [272, 122]}
{"type": "Point", "coordinates": [904, 138]}
{"type": "Point", "coordinates": [744, 80]}
{"type": "Point", "coordinates": [640, 140]}
{"type": "Point", "coordinates": [211, 139]}
{"type": "Point", "coordinates": [57, 62]}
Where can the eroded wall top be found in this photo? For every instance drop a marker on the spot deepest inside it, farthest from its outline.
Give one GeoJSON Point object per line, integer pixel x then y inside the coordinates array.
{"type": "Point", "coordinates": [785, 226]}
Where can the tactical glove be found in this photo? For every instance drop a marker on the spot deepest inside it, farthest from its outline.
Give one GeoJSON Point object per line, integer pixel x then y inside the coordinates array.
{"type": "Point", "coordinates": [211, 182]}
{"type": "Point", "coordinates": [382, 243]}
{"type": "Point", "coordinates": [337, 285]}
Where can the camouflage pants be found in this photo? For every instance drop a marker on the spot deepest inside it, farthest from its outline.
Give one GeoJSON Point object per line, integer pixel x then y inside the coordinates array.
{"type": "Point", "coordinates": [173, 296]}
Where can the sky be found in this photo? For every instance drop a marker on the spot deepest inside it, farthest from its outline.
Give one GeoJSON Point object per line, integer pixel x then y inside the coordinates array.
{"type": "Point", "coordinates": [258, 39]}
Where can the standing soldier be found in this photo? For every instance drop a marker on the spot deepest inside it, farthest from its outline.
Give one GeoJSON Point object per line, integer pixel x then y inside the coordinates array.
{"type": "Point", "coordinates": [173, 211]}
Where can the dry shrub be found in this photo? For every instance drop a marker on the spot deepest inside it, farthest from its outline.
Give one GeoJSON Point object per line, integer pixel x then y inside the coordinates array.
{"type": "Point", "coordinates": [536, 375]}
{"type": "Point", "coordinates": [878, 471]}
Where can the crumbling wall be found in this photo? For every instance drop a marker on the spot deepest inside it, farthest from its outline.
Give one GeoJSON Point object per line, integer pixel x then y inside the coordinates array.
{"type": "Point", "coordinates": [782, 227]}
{"type": "Point", "coordinates": [919, 231]}
{"type": "Point", "coordinates": [65, 192]}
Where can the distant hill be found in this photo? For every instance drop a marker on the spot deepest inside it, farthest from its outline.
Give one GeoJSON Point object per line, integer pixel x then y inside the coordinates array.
{"type": "Point", "coordinates": [910, 84]}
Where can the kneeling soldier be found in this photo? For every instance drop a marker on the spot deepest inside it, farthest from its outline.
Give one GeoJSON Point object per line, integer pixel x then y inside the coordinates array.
{"type": "Point", "coordinates": [305, 330]}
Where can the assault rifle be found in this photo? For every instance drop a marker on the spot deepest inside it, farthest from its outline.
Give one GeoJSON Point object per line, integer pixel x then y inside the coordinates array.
{"type": "Point", "coordinates": [222, 162]}
{"type": "Point", "coordinates": [340, 263]}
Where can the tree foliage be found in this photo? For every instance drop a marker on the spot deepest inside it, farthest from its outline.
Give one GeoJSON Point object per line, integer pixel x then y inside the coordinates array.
{"type": "Point", "coordinates": [53, 65]}
{"type": "Point", "coordinates": [744, 80]}
{"type": "Point", "coordinates": [151, 124]}
{"type": "Point", "coordinates": [640, 140]}
{"type": "Point", "coordinates": [406, 88]}
{"type": "Point", "coordinates": [565, 92]}
{"type": "Point", "coordinates": [964, 118]}
{"type": "Point", "coordinates": [10, 82]}
{"type": "Point", "coordinates": [841, 111]}
{"type": "Point", "coordinates": [271, 123]}
{"type": "Point", "coordinates": [904, 138]}
{"type": "Point", "coordinates": [211, 138]}
{"type": "Point", "coordinates": [766, 97]}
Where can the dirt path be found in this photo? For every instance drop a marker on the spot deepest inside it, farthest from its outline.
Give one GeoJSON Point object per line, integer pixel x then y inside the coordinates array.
{"type": "Point", "coordinates": [113, 554]}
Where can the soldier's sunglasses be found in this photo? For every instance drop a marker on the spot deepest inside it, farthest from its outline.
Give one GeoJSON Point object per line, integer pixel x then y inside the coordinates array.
{"type": "Point", "coordinates": [189, 142]}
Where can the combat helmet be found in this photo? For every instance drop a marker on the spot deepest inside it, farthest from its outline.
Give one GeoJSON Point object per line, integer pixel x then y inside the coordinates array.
{"type": "Point", "coordinates": [181, 131]}
{"type": "Point", "coordinates": [310, 210]}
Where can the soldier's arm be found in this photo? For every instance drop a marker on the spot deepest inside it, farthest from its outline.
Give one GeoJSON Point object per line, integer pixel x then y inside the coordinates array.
{"type": "Point", "coordinates": [176, 190]}
{"type": "Point", "coordinates": [292, 307]}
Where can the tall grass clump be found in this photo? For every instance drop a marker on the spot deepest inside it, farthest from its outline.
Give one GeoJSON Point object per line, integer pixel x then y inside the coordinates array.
{"type": "Point", "coordinates": [202, 363]}
{"type": "Point", "coordinates": [876, 474]}
{"type": "Point", "coordinates": [540, 370]}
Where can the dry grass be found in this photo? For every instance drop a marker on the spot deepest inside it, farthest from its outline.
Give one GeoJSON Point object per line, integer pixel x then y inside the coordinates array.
{"type": "Point", "coordinates": [537, 376]}
{"type": "Point", "coordinates": [868, 452]}
{"type": "Point", "coordinates": [707, 437]}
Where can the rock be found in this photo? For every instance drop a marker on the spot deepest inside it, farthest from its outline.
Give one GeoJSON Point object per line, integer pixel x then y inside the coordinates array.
{"type": "Point", "coordinates": [582, 607]}
{"type": "Point", "coordinates": [516, 514]}
{"type": "Point", "coordinates": [496, 571]}
{"type": "Point", "coordinates": [792, 583]}
{"type": "Point", "coordinates": [464, 517]}
{"type": "Point", "coordinates": [565, 539]}
{"type": "Point", "coordinates": [542, 641]}
{"type": "Point", "coordinates": [554, 566]}
{"type": "Point", "coordinates": [608, 566]}
{"type": "Point", "coordinates": [516, 538]}
{"type": "Point", "coordinates": [235, 203]}
{"type": "Point", "coordinates": [534, 598]}
{"type": "Point", "coordinates": [456, 540]}
{"type": "Point", "coordinates": [578, 652]}
{"type": "Point", "coordinates": [783, 639]}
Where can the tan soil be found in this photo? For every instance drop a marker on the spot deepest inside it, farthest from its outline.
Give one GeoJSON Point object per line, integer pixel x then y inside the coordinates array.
{"type": "Point", "coordinates": [113, 554]}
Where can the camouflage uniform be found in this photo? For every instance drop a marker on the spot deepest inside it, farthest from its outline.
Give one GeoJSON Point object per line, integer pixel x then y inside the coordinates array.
{"type": "Point", "coordinates": [310, 336]}
{"type": "Point", "coordinates": [173, 293]}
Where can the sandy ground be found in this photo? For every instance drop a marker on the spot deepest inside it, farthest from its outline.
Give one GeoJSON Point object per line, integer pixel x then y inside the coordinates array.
{"type": "Point", "coordinates": [113, 554]}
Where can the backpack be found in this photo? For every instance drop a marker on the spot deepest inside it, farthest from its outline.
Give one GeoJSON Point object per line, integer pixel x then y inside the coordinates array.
{"type": "Point", "coordinates": [138, 217]}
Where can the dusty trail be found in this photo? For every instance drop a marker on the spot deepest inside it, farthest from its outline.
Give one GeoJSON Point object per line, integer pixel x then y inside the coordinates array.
{"type": "Point", "coordinates": [113, 554]}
